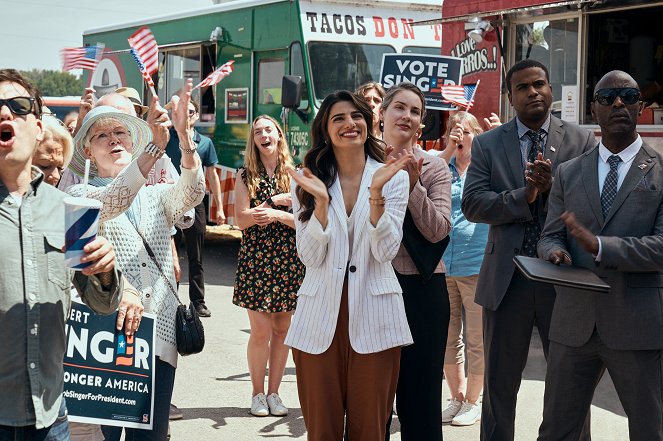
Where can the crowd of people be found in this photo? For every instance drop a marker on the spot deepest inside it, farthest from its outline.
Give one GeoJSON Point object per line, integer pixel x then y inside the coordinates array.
{"type": "Point", "coordinates": [385, 268]}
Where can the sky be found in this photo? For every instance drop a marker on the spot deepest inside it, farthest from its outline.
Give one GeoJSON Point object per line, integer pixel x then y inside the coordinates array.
{"type": "Point", "coordinates": [34, 31]}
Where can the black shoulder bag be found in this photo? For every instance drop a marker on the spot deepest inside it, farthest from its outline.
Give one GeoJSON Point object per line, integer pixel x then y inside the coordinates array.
{"type": "Point", "coordinates": [425, 255]}
{"type": "Point", "coordinates": [189, 332]}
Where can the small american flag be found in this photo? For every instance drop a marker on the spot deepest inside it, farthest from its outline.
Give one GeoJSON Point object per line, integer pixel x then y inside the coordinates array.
{"type": "Point", "coordinates": [81, 57]}
{"type": "Point", "coordinates": [218, 74]}
{"type": "Point", "coordinates": [146, 48]}
{"type": "Point", "coordinates": [146, 75]}
{"type": "Point", "coordinates": [462, 96]}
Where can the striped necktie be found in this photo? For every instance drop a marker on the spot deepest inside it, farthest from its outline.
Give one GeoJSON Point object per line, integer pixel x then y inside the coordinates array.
{"type": "Point", "coordinates": [610, 185]}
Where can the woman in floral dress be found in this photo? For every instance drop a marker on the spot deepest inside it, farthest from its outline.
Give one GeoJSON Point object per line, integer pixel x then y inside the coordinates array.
{"type": "Point", "coordinates": [269, 272]}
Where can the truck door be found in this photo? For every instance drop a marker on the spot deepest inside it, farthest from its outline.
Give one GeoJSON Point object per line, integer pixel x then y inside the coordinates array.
{"type": "Point", "coordinates": [270, 66]}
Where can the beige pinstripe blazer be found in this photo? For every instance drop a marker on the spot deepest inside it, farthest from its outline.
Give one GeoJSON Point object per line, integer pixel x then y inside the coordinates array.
{"type": "Point", "coordinates": [376, 312]}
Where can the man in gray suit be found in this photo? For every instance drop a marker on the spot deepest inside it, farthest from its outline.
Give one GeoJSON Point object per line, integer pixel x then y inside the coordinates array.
{"type": "Point", "coordinates": [507, 187]}
{"type": "Point", "coordinates": [606, 214]}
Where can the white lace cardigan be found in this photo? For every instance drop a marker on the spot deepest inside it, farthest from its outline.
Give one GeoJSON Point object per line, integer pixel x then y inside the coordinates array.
{"type": "Point", "coordinates": [160, 206]}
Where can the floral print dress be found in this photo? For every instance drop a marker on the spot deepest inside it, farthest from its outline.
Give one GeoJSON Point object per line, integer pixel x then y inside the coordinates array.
{"type": "Point", "coordinates": [269, 272]}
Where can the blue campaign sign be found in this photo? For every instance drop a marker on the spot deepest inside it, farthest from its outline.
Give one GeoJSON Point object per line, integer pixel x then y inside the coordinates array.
{"type": "Point", "coordinates": [427, 72]}
{"type": "Point", "coordinates": [108, 377]}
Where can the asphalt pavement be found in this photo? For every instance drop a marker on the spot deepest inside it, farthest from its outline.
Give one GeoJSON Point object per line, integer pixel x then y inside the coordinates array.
{"type": "Point", "coordinates": [213, 388]}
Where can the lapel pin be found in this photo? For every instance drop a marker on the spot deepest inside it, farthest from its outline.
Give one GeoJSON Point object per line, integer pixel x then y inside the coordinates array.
{"type": "Point", "coordinates": [642, 166]}
{"type": "Point", "coordinates": [552, 148]}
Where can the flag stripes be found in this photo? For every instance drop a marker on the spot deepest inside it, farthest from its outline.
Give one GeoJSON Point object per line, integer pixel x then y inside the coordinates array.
{"type": "Point", "coordinates": [146, 48]}
{"type": "Point", "coordinates": [81, 57]}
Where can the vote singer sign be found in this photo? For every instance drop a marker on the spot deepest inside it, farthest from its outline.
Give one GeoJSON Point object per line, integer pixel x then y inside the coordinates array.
{"type": "Point", "coordinates": [427, 72]}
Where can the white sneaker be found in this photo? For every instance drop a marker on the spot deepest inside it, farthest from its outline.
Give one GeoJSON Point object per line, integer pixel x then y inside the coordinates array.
{"type": "Point", "coordinates": [259, 405]}
{"type": "Point", "coordinates": [276, 406]}
{"type": "Point", "coordinates": [467, 415]}
{"type": "Point", "coordinates": [452, 409]}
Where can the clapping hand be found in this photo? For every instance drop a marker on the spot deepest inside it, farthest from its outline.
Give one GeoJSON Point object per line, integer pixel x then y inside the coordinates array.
{"type": "Point", "coordinates": [413, 167]}
{"type": "Point", "coordinates": [311, 184]}
{"type": "Point", "coordinates": [588, 241]}
{"type": "Point", "coordinates": [391, 167]}
{"type": "Point", "coordinates": [539, 174]}
{"type": "Point", "coordinates": [265, 216]}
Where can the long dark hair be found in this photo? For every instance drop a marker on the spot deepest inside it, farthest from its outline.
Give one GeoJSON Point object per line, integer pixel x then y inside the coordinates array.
{"type": "Point", "coordinates": [320, 158]}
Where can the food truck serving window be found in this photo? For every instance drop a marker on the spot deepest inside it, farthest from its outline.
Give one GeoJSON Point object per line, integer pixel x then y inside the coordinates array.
{"type": "Point", "coordinates": [337, 66]}
{"type": "Point", "coordinates": [177, 65]}
{"type": "Point", "coordinates": [554, 44]}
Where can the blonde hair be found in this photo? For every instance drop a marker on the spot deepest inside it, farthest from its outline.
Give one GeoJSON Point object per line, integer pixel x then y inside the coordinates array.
{"type": "Point", "coordinates": [457, 117]}
{"type": "Point", "coordinates": [60, 134]}
{"type": "Point", "coordinates": [252, 163]}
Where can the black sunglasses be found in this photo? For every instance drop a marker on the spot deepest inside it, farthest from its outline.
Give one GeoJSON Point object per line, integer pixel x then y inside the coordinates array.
{"type": "Point", "coordinates": [628, 95]}
{"type": "Point", "coordinates": [20, 105]}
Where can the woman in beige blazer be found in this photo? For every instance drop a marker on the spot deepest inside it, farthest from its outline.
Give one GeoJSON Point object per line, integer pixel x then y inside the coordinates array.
{"type": "Point", "coordinates": [350, 321]}
{"type": "Point", "coordinates": [419, 392]}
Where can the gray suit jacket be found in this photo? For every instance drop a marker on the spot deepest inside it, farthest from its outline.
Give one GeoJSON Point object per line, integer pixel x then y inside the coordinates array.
{"type": "Point", "coordinates": [630, 316]}
{"type": "Point", "coordinates": [494, 194]}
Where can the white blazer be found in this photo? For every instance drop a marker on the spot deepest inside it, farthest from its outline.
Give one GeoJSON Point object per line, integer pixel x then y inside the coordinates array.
{"type": "Point", "coordinates": [376, 312]}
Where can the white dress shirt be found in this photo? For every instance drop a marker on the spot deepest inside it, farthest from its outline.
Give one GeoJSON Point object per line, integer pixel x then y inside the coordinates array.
{"type": "Point", "coordinates": [627, 155]}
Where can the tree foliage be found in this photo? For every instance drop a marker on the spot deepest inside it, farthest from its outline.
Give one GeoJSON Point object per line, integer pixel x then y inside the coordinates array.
{"type": "Point", "coordinates": [55, 83]}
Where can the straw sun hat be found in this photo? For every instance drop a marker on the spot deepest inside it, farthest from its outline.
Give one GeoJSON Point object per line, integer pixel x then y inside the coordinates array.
{"type": "Point", "coordinates": [140, 134]}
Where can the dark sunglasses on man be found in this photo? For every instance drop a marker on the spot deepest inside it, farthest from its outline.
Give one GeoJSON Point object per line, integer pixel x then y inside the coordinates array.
{"type": "Point", "coordinates": [20, 105]}
{"type": "Point", "coordinates": [628, 95]}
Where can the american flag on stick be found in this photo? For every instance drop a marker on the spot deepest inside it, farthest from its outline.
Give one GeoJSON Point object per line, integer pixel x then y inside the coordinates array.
{"type": "Point", "coordinates": [146, 48]}
{"type": "Point", "coordinates": [141, 67]}
{"type": "Point", "coordinates": [461, 96]}
{"type": "Point", "coordinates": [219, 73]}
{"type": "Point", "coordinates": [82, 57]}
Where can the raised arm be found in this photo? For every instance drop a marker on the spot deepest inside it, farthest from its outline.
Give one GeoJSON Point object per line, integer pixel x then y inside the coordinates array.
{"type": "Point", "coordinates": [385, 237]}
{"type": "Point", "coordinates": [430, 204]}
{"type": "Point", "coordinates": [117, 196]}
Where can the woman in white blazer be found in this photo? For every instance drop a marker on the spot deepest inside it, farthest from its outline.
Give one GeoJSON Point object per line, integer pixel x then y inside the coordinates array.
{"type": "Point", "coordinates": [350, 321]}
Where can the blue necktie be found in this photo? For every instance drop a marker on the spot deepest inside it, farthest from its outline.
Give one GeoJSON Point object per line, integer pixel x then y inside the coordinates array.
{"type": "Point", "coordinates": [533, 228]}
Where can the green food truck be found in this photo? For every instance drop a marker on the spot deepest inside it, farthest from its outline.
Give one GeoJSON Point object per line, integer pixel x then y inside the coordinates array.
{"type": "Point", "coordinates": [288, 55]}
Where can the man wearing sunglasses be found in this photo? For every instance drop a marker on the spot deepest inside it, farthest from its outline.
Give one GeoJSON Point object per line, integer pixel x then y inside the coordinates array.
{"type": "Point", "coordinates": [34, 282]}
{"type": "Point", "coordinates": [606, 214]}
{"type": "Point", "coordinates": [195, 235]}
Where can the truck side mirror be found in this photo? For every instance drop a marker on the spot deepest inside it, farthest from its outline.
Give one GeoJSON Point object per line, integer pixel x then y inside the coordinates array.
{"type": "Point", "coordinates": [291, 91]}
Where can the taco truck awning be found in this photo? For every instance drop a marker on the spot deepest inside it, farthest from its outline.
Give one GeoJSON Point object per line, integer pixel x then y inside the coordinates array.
{"type": "Point", "coordinates": [460, 10]}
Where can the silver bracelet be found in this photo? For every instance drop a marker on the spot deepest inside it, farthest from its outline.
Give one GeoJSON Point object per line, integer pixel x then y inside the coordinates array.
{"type": "Point", "coordinates": [154, 151]}
{"type": "Point", "coordinates": [188, 151]}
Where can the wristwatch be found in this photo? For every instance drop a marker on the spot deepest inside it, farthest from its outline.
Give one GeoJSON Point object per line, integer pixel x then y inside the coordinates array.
{"type": "Point", "coordinates": [270, 202]}
{"type": "Point", "coordinates": [154, 151]}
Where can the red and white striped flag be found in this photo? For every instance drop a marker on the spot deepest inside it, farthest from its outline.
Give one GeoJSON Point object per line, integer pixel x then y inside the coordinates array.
{"type": "Point", "coordinates": [218, 74]}
{"type": "Point", "coordinates": [461, 96]}
{"type": "Point", "coordinates": [147, 49]}
{"type": "Point", "coordinates": [81, 57]}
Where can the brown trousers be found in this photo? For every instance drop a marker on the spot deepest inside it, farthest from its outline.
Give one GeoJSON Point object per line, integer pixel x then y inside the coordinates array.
{"type": "Point", "coordinates": [343, 383]}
